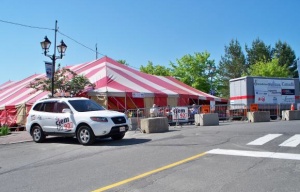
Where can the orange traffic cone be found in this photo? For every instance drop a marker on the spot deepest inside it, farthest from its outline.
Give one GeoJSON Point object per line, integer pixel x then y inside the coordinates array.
{"type": "Point", "coordinates": [292, 107]}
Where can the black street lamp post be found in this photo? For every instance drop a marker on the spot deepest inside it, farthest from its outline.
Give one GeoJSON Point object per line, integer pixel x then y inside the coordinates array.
{"type": "Point", "coordinates": [60, 48]}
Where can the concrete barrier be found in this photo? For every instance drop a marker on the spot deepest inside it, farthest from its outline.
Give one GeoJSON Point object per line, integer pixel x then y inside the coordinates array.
{"type": "Point", "coordinates": [206, 119]}
{"type": "Point", "coordinates": [258, 116]}
{"type": "Point", "coordinates": [288, 115]}
{"type": "Point", "coordinates": [134, 122]}
{"type": "Point", "coordinates": [154, 125]}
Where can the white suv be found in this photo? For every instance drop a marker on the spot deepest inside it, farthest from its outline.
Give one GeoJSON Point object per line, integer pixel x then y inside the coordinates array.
{"type": "Point", "coordinates": [79, 117]}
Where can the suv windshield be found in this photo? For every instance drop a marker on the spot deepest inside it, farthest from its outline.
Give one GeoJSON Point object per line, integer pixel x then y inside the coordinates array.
{"type": "Point", "coordinates": [85, 105]}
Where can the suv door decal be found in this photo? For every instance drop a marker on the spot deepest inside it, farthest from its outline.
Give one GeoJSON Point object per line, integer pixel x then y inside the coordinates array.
{"type": "Point", "coordinates": [64, 124]}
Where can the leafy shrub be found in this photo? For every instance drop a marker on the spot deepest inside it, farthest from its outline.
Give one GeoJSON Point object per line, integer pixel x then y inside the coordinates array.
{"type": "Point", "coordinates": [4, 130]}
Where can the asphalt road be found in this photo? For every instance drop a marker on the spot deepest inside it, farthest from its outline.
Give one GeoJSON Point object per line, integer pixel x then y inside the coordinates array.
{"type": "Point", "coordinates": [234, 156]}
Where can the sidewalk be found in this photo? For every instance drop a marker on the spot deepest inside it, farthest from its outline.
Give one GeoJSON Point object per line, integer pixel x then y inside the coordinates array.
{"type": "Point", "coordinates": [15, 137]}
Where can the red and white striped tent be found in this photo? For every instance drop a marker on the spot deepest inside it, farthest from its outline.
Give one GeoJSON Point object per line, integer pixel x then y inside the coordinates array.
{"type": "Point", "coordinates": [118, 87]}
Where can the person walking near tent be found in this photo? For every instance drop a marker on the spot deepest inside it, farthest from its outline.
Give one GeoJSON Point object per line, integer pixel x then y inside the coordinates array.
{"type": "Point", "coordinates": [194, 110]}
{"type": "Point", "coordinates": [154, 111]}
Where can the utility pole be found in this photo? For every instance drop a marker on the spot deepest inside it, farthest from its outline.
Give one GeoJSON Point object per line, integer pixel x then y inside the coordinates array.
{"type": "Point", "coordinates": [96, 52]}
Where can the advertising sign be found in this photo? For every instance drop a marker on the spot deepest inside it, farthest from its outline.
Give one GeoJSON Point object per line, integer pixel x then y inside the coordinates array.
{"type": "Point", "coordinates": [212, 105]}
{"type": "Point", "coordinates": [205, 109]}
{"type": "Point", "coordinates": [269, 91]}
{"type": "Point", "coordinates": [180, 114]}
{"type": "Point", "coordinates": [48, 66]}
{"type": "Point", "coordinates": [253, 107]}
{"type": "Point", "coordinates": [138, 95]}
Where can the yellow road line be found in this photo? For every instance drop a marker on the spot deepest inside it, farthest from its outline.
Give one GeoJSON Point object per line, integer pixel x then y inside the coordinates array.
{"type": "Point", "coordinates": [149, 173]}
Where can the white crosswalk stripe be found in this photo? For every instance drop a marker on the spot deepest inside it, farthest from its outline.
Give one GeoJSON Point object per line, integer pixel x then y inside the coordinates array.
{"type": "Point", "coordinates": [291, 142]}
{"type": "Point", "coordinates": [288, 156]}
{"type": "Point", "coordinates": [264, 139]}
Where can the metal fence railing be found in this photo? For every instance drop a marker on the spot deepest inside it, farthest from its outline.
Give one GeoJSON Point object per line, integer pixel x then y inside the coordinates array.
{"type": "Point", "coordinates": [226, 112]}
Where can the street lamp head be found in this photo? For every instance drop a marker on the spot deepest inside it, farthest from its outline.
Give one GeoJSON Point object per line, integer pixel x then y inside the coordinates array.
{"type": "Point", "coordinates": [45, 45]}
{"type": "Point", "coordinates": [62, 48]}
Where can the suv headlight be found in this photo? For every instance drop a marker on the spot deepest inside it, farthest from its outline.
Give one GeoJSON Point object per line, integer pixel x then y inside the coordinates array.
{"type": "Point", "coordinates": [99, 119]}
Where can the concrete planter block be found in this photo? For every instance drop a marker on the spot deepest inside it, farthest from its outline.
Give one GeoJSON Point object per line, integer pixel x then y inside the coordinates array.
{"type": "Point", "coordinates": [288, 115]}
{"type": "Point", "coordinates": [134, 122]}
{"type": "Point", "coordinates": [258, 116]}
{"type": "Point", "coordinates": [208, 119]}
{"type": "Point", "coordinates": [154, 125]}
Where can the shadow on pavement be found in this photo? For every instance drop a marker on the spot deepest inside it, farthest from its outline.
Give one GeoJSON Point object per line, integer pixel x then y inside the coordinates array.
{"type": "Point", "coordinates": [98, 141]}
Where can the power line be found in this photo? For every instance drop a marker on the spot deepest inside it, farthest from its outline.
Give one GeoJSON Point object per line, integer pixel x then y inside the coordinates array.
{"type": "Point", "coordinates": [29, 26]}
{"type": "Point", "coordinates": [34, 27]}
{"type": "Point", "coordinates": [80, 43]}
{"type": "Point", "coordinates": [44, 28]}
{"type": "Point", "coordinates": [87, 46]}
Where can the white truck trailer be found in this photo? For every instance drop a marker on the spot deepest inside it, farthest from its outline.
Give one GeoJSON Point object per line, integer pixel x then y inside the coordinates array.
{"type": "Point", "coordinates": [274, 94]}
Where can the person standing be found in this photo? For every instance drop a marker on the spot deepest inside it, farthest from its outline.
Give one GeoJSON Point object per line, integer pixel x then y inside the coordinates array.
{"type": "Point", "coordinates": [154, 111]}
{"type": "Point", "coordinates": [194, 110]}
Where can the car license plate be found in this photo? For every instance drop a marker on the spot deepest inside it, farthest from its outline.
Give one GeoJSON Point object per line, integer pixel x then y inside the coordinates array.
{"type": "Point", "coordinates": [122, 129]}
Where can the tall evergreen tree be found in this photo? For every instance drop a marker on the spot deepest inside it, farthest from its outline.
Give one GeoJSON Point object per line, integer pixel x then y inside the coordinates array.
{"type": "Point", "coordinates": [259, 52]}
{"type": "Point", "coordinates": [286, 57]}
{"type": "Point", "coordinates": [232, 65]}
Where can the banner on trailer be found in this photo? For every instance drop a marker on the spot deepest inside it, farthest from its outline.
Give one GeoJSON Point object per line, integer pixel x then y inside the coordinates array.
{"type": "Point", "coordinates": [268, 91]}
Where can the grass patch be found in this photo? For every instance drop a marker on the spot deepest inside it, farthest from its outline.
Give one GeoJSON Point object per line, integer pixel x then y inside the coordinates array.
{"type": "Point", "coordinates": [4, 130]}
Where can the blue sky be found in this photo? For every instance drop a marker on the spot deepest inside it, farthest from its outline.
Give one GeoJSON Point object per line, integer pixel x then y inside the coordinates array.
{"type": "Point", "coordinates": [138, 31]}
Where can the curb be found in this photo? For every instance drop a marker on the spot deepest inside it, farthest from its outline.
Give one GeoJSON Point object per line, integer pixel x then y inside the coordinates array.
{"type": "Point", "coordinates": [15, 137]}
{"type": "Point", "coordinates": [15, 142]}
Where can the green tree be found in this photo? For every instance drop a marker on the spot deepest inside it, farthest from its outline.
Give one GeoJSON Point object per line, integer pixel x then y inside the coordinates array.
{"type": "Point", "coordinates": [232, 65]}
{"type": "Point", "coordinates": [155, 69]}
{"type": "Point", "coordinates": [269, 69]}
{"type": "Point", "coordinates": [286, 57]}
{"type": "Point", "coordinates": [259, 52]}
{"type": "Point", "coordinates": [123, 62]}
{"type": "Point", "coordinates": [65, 80]}
{"type": "Point", "coordinates": [192, 70]}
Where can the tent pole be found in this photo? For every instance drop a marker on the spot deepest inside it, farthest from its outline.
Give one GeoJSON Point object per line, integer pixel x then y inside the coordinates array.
{"type": "Point", "coordinates": [125, 101]}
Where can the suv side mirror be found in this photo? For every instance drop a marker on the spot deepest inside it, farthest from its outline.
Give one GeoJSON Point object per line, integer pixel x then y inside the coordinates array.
{"type": "Point", "coordinates": [66, 110]}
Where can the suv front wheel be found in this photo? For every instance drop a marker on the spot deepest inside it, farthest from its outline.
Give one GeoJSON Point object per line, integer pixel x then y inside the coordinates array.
{"type": "Point", "coordinates": [85, 135]}
{"type": "Point", "coordinates": [37, 134]}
